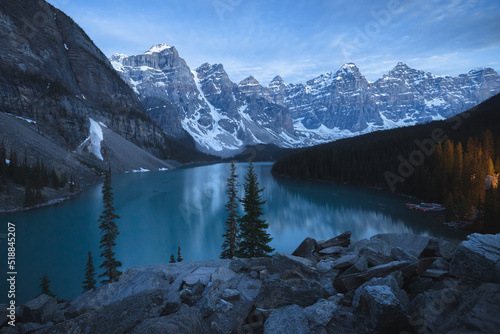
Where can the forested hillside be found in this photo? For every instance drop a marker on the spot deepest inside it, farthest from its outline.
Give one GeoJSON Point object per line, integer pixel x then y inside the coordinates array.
{"type": "Point", "coordinates": [443, 161]}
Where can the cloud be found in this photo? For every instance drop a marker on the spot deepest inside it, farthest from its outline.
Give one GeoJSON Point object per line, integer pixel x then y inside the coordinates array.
{"type": "Point", "coordinates": [299, 40]}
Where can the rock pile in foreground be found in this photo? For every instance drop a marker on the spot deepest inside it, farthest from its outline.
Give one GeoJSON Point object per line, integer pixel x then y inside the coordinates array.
{"type": "Point", "coordinates": [391, 283]}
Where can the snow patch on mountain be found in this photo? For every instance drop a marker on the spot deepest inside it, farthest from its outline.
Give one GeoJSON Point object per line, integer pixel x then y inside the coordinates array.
{"type": "Point", "coordinates": [158, 48]}
{"type": "Point", "coordinates": [223, 117]}
{"type": "Point", "coordinates": [94, 140]}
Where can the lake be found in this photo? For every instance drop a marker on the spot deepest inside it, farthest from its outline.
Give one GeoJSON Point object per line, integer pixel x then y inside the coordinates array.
{"type": "Point", "coordinates": [185, 207]}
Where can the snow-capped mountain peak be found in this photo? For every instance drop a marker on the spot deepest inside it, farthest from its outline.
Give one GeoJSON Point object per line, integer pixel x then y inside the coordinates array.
{"type": "Point", "coordinates": [223, 117]}
{"type": "Point", "coordinates": [158, 48]}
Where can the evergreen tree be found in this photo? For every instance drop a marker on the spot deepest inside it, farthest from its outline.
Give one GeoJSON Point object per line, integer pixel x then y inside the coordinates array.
{"type": "Point", "coordinates": [231, 240]}
{"type": "Point", "coordinates": [108, 240]}
{"type": "Point", "coordinates": [179, 257]}
{"type": "Point", "coordinates": [89, 281]}
{"type": "Point", "coordinates": [172, 258]}
{"type": "Point", "coordinates": [254, 239]}
{"type": "Point", "coordinates": [45, 286]}
{"type": "Point", "coordinates": [29, 195]}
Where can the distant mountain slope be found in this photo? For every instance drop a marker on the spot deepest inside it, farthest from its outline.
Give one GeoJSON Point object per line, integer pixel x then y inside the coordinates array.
{"type": "Point", "coordinates": [203, 102]}
{"type": "Point", "coordinates": [51, 72]}
{"type": "Point", "coordinates": [63, 104]}
{"type": "Point", "coordinates": [368, 159]}
{"type": "Point", "coordinates": [224, 117]}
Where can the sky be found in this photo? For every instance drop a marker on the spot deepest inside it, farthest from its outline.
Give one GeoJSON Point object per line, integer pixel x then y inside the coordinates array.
{"type": "Point", "coordinates": [300, 39]}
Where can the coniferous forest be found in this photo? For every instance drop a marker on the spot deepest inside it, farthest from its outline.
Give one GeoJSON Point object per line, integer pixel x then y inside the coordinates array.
{"type": "Point", "coordinates": [454, 162]}
{"type": "Point", "coordinates": [33, 177]}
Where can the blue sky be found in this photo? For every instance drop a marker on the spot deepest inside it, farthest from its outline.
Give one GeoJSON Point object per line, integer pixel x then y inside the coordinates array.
{"type": "Point", "coordinates": [300, 39]}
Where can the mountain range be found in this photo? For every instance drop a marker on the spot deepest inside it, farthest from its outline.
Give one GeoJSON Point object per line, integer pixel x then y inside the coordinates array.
{"type": "Point", "coordinates": [224, 117]}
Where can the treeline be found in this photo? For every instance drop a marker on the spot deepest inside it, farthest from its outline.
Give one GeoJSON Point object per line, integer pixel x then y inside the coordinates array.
{"type": "Point", "coordinates": [33, 177]}
{"type": "Point", "coordinates": [444, 161]}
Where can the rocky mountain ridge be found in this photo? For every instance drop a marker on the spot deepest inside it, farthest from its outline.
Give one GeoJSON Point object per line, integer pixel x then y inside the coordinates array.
{"type": "Point", "coordinates": [388, 283]}
{"type": "Point", "coordinates": [56, 87]}
{"type": "Point", "coordinates": [224, 117]}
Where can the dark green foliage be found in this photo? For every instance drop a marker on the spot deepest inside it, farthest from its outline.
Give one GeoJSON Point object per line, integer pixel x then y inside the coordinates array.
{"type": "Point", "coordinates": [451, 170]}
{"type": "Point", "coordinates": [32, 177]}
{"type": "Point", "coordinates": [89, 282]}
{"type": "Point", "coordinates": [492, 210]}
{"type": "Point", "coordinates": [55, 179]}
{"type": "Point", "coordinates": [172, 258]}
{"type": "Point", "coordinates": [45, 286]}
{"type": "Point", "coordinates": [109, 229]}
{"type": "Point", "coordinates": [179, 257]}
{"type": "Point", "coordinates": [254, 239]}
{"type": "Point", "coordinates": [231, 239]}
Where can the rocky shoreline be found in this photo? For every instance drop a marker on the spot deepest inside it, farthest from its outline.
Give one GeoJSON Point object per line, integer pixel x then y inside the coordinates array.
{"type": "Point", "coordinates": [391, 283]}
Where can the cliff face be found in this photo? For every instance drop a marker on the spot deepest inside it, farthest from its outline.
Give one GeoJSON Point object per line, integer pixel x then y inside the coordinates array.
{"type": "Point", "coordinates": [389, 283]}
{"type": "Point", "coordinates": [52, 73]}
{"type": "Point", "coordinates": [221, 116]}
{"type": "Point", "coordinates": [62, 102]}
{"type": "Point", "coordinates": [331, 106]}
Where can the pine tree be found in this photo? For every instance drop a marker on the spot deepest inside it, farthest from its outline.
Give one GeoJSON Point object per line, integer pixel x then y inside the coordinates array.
{"type": "Point", "coordinates": [231, 240]}
{"type": "Point", "coordinates": [172, 258]}
{"type": "Point", "coordinates": [110, 230]}
{"type": "Point", "coordinates": [254, 239]}
{"type": "Point", "coordinates": [179, 257]}
{"type": "Point", "coordinates": [89, 281]}
{"type": "Point", "coordinates": [45, 286]}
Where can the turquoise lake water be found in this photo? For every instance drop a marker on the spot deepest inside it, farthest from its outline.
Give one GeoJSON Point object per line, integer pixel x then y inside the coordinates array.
{"type": "Point", "coordinates": [185, 207]}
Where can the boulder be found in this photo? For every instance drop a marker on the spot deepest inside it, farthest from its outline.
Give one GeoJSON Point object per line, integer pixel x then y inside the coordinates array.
{"type": "Point", "coordinates": [236, 264]}
{"type": "Point", "coordinates": [477, 311]}
{"type": "Point", "coordinates": [210, 301]}
{"type": "Point", "coordinates": [249, 288]}
{"type": "Point", "coordinates": [345, 261]}
{"type": "Point", "coordinates": [430, 309]}
{"type": "Point", "coordinates": [355, 247]}
{"type": "Point", "coordinates": [345, 321]}
{"type": "Point", "coordinates": [291, 274]}
{"type": "Point", "coordinates": [390, 281]}
{"type": "Point", "coordinates": [277, 293]}
{"type": "Point", "coordinates": [266, 262]}
{"type": "Point", "coordinates": [223, 274]}
{"type": "Point", "coordinates": [344, 283]}
{"type": "Point", "coordinates": [431, 249]}
{"type": "Point", "coordinates": [334, 250]}
{"type": "Point", "coordinates": [185, 321]}
{"type": "Point", "coordinates": [359, 266]}
{"type": "Point", "coordinates": [201, 275]}
{"type": "Point", "coordinates": [320, 313]}
{"type": "Point", "coordinates": [383, 305]}
{"type": "Point", "coordinates": [132, 282]}
{"type": "Point", "coordinates": [263, 274]}
{"type": "Point", "coordinates": [230, 315]}
{"type": "Point", "coordinates": [230, 294]}
{"type": "Point", "coordinates": [287, 320]}
{"type": "Point", "coordinates": [324, 265]}
{"type": "Point", "coordinates": [478, 258]}
{"type": "Point", "coordinates": [440, 263]}
{"type": "Point", "coordinates": [413, 243]}
{"type": "Point", "coordinates": [399, 254]}
{"type": "Point", "coordinates": [305, 248]}
{"type": "Point", "coordinates": [374, 257]}
{"type": "Point", "coordinates": [342, 240]}
{"type": "Point", "coordinates": [435, 273]}
{"type": "Point", "coordinates": [121, 316]}
{"type": "Point", "coordinates": [40, 310]}
{"type": "Point", "coordinates": [282, 262]}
